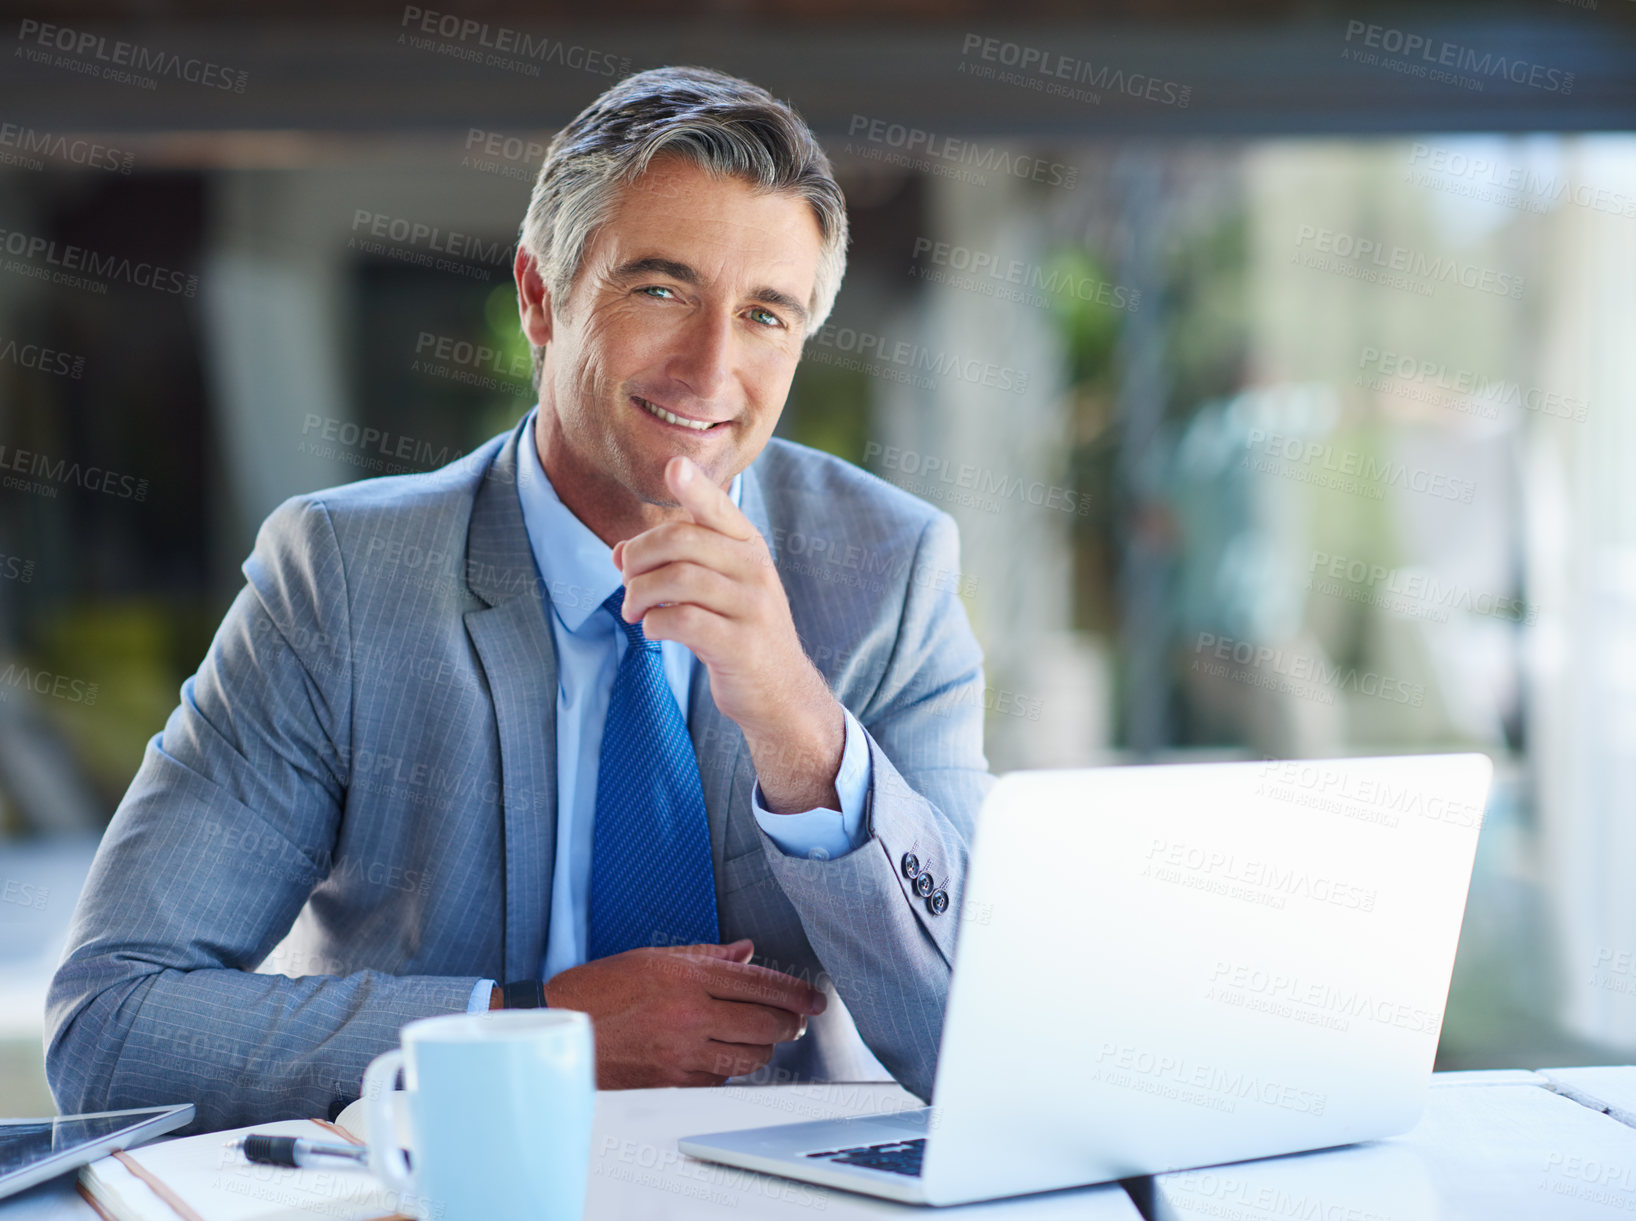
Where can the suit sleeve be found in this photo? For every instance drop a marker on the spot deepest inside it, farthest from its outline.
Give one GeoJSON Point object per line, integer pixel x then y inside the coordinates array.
{"type": "Point", "coordinates": [825, 832]}
{"type": "Point", "coordinates": [229, 824]}
{"type": "Point", "coordinates": [887, 947]}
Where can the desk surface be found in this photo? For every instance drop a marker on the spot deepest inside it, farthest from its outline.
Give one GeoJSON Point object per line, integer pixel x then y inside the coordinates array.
{"type": "Point", "coordinates": [1491, 1147]}
{"type": "Point", "coordinates": [1494, 1145]}
{"type": "Point", "coordinates": [1602, 1089]}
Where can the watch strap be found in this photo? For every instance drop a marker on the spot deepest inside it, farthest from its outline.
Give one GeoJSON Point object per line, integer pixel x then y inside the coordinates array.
{"type": "Point", "coordinates": [524, 994]}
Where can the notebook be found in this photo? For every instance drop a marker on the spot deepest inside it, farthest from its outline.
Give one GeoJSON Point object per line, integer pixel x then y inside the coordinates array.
{"type": "Point", "coordinates": [203, 1178]}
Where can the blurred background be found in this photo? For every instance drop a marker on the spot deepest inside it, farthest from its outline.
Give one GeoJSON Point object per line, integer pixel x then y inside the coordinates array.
{"type": "Point", "coordinates": [1275, 359]}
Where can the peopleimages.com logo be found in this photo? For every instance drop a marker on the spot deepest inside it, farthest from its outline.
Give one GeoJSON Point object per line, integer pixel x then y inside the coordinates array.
{"type": "Point", "coordinates": [88, 154]}
{"type": "Point", "coordinates": [981, 270]}
{"type": "Point", "coordinates": [1461, 389]}
{"type": "Point", "coordinates": [1438, 59]}
{"type": "Point", "coordinates": [127, 63]}
{"type": "Point", "coordinates": [501, 46]}
{"type": "Point", "coordinates": [1371, 259]}
{"type": "Point", "coordinates": [1050, 72]}
{"type": "Point", "coordinates": [1499, 181]}
{"type": "Point", "coordinates": [943, 154]}
{"type": "Point", "coordinates": [1298, 673]}
{"type": "Point", "coordinates": [42, 257]}
{"type": "Point", "coordinates": [915, 357]}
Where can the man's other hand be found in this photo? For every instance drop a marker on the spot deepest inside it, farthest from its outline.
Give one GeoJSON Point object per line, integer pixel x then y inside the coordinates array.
{"type": "Point", "coordinates": [684, 1015]}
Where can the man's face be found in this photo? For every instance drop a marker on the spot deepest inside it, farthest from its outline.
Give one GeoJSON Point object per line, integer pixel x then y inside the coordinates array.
{"type": "Point", "coordinates": [691, 299]}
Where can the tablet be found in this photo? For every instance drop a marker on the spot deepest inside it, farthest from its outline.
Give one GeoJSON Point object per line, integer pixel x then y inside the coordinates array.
{"type": "Point", "coordinates": [34, 1150]}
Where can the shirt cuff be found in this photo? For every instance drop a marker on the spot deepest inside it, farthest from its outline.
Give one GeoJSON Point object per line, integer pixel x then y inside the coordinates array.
{"type": "Point", "coordinates": [481, 994]}
{"type": "Point", "coordinates": [824, 833]}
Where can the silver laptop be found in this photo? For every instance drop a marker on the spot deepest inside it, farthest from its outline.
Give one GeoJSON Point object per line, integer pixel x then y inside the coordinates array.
{"type": "Point", "coordinates": [1167, 967]}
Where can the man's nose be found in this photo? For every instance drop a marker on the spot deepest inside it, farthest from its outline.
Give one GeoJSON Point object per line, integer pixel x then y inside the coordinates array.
{"type": "Point", "coordinates": [703, 359]}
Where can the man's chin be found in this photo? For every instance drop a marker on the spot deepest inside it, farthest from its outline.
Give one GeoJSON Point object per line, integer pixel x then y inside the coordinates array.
{"type": "Point", "coordinates": [653, 490]}
{"type": "Point", "coordinates": [658, 499]}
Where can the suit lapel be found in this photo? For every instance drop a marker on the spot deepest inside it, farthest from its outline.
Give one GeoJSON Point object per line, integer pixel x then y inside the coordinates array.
{"type": "Point", "coordinates": [513, 643]}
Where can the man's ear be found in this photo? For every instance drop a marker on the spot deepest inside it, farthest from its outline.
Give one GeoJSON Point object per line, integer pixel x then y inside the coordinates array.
{"type": "Point", "coordinates": [533, 298]}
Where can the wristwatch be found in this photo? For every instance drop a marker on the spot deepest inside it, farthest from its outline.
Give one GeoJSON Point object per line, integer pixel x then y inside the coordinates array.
{"type": "Point", "coordinates": [523, 994]}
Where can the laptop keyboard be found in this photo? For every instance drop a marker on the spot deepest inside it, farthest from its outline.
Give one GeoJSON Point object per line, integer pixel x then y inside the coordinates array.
{"type": "Point", "coordinates": [897, 1156]}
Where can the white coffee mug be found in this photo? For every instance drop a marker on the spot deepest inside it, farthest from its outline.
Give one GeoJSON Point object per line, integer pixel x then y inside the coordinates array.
{"type": "Point", "coordinates": [500, 1108]}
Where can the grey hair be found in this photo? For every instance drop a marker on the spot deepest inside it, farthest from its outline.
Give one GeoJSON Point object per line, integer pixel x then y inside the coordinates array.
{"type": "Point", "coordinates": [722, 124]}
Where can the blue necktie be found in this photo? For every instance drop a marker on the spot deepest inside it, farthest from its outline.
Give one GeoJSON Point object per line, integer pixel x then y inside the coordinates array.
{"type": "Point", "coordinates": [651, 876]}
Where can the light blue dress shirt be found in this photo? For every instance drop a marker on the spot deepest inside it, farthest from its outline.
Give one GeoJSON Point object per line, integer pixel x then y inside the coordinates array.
{"type": "Point", "coordinates": [579, 574]}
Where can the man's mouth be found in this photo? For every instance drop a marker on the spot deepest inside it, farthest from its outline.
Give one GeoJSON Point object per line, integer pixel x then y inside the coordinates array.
{"type": "Point", "coordinates": [670, 417]}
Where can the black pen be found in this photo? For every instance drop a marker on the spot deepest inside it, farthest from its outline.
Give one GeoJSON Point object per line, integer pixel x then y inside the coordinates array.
{"type": "Point", "coordinates": [295, 1151]}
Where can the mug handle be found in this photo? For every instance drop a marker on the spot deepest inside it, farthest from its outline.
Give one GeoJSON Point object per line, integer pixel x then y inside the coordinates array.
{"type": "Point", "coordinates": [386, 1160]}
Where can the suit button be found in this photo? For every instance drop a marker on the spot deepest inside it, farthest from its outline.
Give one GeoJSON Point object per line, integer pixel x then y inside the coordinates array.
{"type": "Point", "coordinates": [924, 884]}
{"type": "Point", "coordinates": [911, 864]}
{"type": "Point", "coordinates": [938, 903]}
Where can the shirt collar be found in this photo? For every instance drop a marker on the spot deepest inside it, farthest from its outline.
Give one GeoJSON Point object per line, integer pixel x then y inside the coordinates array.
{"type": "Point", "coordinates": [576, 566]}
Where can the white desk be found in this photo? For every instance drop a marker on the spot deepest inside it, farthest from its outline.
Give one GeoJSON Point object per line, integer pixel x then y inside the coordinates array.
{"type": "Point", "coordinates": [636, 1172]}
{"type": "Point", "coordinates": [1491, 1147]}
{"type": "Point", "coordinates": [638, 1175]}
{"type": "Point", "coordinates": [1602, 1089]}
{"type": "Point", "coordinates": [1497, 1145]}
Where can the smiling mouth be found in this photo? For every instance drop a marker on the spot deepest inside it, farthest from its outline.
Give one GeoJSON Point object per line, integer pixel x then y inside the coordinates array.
{"type": "Point", "coordinates": [670, 417]}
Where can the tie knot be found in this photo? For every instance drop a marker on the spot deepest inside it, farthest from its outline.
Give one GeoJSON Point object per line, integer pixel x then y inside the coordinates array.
{"type": "Point", "coordinates": [633, 631]}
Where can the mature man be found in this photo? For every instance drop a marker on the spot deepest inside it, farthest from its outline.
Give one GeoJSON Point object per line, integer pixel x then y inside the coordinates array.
{"type": "Point", "coordinates": [545, 726]}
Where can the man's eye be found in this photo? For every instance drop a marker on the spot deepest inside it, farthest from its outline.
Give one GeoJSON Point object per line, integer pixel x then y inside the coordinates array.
{"type": "Point", "coordinates": [766, 317]}
{"type": "Point", "coordinates": [656, 288]}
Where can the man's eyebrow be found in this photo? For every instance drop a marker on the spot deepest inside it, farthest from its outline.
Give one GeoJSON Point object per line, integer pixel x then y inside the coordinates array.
{"type": "Point", "coordinates": [773, 296]}
{"type": "Point", "coordinates": [653, 264]}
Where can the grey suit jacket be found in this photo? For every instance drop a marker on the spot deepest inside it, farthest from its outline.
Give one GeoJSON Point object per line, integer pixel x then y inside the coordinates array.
{"type": "Point", "coordinates": [357, 795]}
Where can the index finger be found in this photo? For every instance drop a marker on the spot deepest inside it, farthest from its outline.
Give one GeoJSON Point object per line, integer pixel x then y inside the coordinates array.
{"type": "Point", "coordinates": [743, 981]}
{"type": "Point", "coordinates": [707, 504]}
